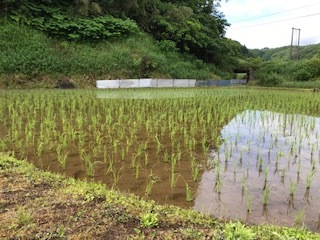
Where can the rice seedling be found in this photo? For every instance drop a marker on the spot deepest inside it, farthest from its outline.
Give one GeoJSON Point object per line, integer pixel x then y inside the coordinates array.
{"type": "Point", "coordinates": [235, 167]}
{"type": "Point", "coordinates": [188, 193]}
{"type": "Point", "coordinates": [313, 163]}
{"type": "Point", "coordinates": [299, 218]}
{"type": "Point", "coordinates": [116, 176]}
{"type": "Point", "coordinates": [138, 165]}
{"type": "Point", "coordinates": [89, 169]}
{"type": "Point", "coordinates": [166, 157]}
{"type": "Point", "coordinates": [277, 163]}
{"type": "Point", "coordinates": [292, 188]}
{"type": "Point", "coordinates": [299, 167]}
{"type": "Point", "coordinates": [283, 174]}
{"type": "Point", "coordinates": [174, 176]}
{"type": "Point", "coordinates": [62, 158]}
{"type": "Point", "coordinates": [146, 158]}
{"type": "Point", "coordinates": [266, 195]}
{"type": "Point", "coordinates": [309, 179]}
{"type": "Point", "coordinates": [260, 163]}
{"type": "Point", "coordinates": [218, 184]}
{"type": "Point", "coordinates": [40, 148]}
{"type": "Point", "coordinates": [133, 160]}
{"type": "Point", "coordinates": [158, 144]}
{"type": "Point", "coordinates": [243, 182]}
{"type": "Point", "coordinates": [151, 180]}
{"type": "Point", "coordinates": [248, 201]}
{"type": "Point", "coordinates": [241, 157]}
{"type": "Point", "coordinates": [87, 162]}
{"type": "Point", "coordinates": [195, 173]}
{"type": "Point", "coordinates": [266, 174]}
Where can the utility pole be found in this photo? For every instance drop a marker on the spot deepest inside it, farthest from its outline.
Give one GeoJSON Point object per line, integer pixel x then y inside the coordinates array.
{"type": "Point", "coordinates": [295, 42]}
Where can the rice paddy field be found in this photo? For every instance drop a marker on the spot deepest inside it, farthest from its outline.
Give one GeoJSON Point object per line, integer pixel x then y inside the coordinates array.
{"type": "Point", "coordinates": [239, 153]}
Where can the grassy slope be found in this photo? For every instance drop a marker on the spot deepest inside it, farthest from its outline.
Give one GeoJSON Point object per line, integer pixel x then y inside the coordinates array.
{"type": "Point", "coordinates": [37, 204]}
{"type": "Point", "coordinates": [30, 58]}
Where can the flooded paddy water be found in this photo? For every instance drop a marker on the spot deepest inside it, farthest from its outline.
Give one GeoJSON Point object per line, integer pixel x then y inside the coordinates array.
{"type": "Point", "coordinates": [268, 164]}
{"type": "Point", "coordinates": [233, 153]}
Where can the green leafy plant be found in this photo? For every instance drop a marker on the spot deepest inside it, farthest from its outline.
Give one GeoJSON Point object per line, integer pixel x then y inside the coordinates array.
{"type": "Point", "coordinates": [149, 220]}
{"type": "Point", "coordinates": [238, 231]}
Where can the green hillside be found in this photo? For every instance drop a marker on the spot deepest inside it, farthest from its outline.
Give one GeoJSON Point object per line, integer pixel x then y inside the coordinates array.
{"type": "Point", "coordinates": [45, 41]}
{"type": "Point", "coordinates": [283, 53]}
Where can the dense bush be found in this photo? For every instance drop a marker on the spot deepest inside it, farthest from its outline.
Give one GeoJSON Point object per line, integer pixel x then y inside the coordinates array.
{"type": "Point", "coordinates": [85, 29]}
{"type": "Point", "coordinates": [270, 80]}
{"type": "Point", "coordinates": [277, 71]}
{"type": "Point", "coordinates": [307, 70]}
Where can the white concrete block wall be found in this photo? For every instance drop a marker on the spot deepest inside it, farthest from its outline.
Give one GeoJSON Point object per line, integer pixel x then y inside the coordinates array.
{"type": "Point", "coordinates": [192, 82]}
{"type": "Point", "coordinates": [148, 82]}
{"type": "Point", "coordinates": [129, 83]}
{"type": "Point", "coordinates": [165, 82]}
{"type": "Point", "coordinates": [181, 82]}
{"type": "Point", "coordinates": [154, 83]}
{"type": "Point", "coordinates": [145, 82]}
{"type": "Point", "coordinates": [108, 84]}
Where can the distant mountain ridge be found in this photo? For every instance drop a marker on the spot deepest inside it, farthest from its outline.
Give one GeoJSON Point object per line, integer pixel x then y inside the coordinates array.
{"type": "Point", "coordinates": [283, 53]}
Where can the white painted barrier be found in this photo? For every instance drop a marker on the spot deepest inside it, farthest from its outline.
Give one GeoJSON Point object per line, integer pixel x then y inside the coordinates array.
{"type": "Point", "coordinates": [108, 84]}
{"type": "Point", "coordinates": [149, 82]}
{"type": "Point", "coordinates": [129, 83]}
{"type": "Point", "coordinates": [145, 82]}
{"type": "Point", "coordinates": [165, 82]}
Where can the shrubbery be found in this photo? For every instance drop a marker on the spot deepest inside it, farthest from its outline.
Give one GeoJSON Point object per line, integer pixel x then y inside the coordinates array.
{"type": "Point", "coordinates": [275, 73]}
{"type": "Point", "coordinates": [85, 29]}
{"type": "Point", "coordinates": [307, 70]}
{"type": "Point", "coordinates": [270, 80]}
{"type": "Point", "coordinates": [58, 22]}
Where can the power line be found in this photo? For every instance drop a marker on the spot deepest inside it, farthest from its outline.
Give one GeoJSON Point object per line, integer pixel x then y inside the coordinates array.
{"type": "Point", "coordinates": [283, 20]}
{"type": "Point", "coordinates": [272, 14]}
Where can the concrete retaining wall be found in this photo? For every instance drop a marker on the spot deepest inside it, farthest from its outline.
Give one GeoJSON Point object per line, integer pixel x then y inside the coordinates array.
{"type": "Point", "coordinates": [148, 82]}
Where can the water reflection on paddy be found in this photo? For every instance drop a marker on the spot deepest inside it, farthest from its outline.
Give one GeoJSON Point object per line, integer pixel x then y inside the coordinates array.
{"type": "Point", "coordinates": [264, 157]}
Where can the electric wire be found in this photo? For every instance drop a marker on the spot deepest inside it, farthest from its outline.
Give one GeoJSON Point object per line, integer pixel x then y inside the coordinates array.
{"type": "Point", "coordinates": [276, 13]}
{"type": "Point", "coordinates": [283, 20]}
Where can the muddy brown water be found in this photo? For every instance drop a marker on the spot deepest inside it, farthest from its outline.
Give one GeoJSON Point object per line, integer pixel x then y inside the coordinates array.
{"type": "Point", "coordinates": [123, 176]}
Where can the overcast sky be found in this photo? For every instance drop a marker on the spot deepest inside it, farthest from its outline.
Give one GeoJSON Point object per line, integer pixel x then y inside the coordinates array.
{"type": "Point", "coordinates": [269, 23]}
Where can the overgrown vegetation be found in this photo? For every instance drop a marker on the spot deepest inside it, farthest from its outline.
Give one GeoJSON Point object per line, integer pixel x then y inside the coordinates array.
{"type": "Point", "coordinates": [274, 67]}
